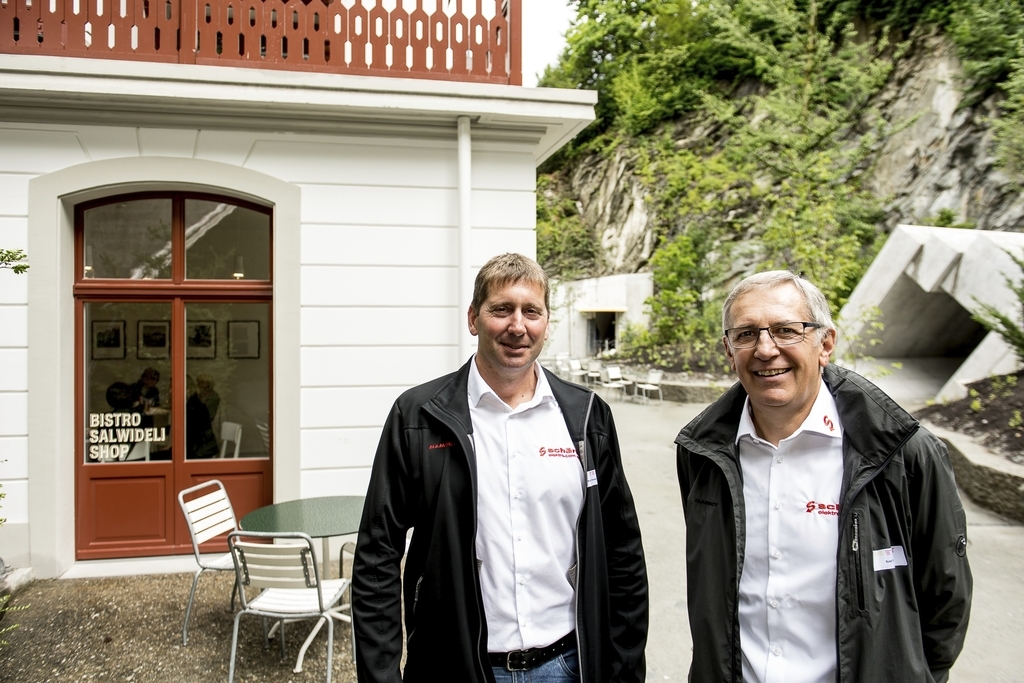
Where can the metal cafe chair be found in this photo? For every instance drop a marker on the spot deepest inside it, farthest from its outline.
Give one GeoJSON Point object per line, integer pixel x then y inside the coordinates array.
{"type": "Point", "coordinates": [207, 516]}
{"type": "Point", "coordinates": [291, 589]}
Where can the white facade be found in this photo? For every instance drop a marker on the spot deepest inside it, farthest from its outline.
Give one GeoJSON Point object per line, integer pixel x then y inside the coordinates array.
{"type": "Point", "coordinates": [379, 226]}
{"type": "Point", "coordinates": [576, 306]}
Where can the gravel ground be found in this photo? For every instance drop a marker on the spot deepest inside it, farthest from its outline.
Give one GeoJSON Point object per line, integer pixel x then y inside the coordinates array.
{"type": "Point", "coordinates": [129, 629]}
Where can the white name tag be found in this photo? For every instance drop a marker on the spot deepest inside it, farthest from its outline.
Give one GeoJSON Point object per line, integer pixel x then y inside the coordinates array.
{"type": "Point", "coordinates": [591, 478]}
{"type": "Point", "coordinates": [890, 558]}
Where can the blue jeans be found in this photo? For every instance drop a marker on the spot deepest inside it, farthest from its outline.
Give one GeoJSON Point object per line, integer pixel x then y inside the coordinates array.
{"type": "Point", "coordinates": [565, 668]}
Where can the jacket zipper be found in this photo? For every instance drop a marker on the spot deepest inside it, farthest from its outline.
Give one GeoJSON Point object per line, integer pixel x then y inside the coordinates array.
{"type": "Point", "coordinates": [579, 559]}
{"type": "Point", "coordinates": [855, 547]}
{"type": "Point", "coordinates": [855, 544]}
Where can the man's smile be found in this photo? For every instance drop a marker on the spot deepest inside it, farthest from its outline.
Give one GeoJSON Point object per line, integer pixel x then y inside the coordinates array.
{"type": "Point", "coordinates": [771, 373]}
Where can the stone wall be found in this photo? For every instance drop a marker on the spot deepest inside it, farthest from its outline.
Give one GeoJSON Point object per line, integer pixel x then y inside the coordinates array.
{"type": "Point", "coordinates": [989, 480]}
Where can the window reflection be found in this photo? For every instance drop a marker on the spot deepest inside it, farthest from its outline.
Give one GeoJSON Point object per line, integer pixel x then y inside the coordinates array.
{"type": "Point", "coordinates": [226, 242]}
{"type": "Point", "coordinates": [127, 380]}
{"type": "Point", "coordinates": [128, 240]}
{"type": "Point", "coordinates": [227, 382]}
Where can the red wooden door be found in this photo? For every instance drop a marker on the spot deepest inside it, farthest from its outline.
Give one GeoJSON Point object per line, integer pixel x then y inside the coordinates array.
{"type": "Point", "coordinates": [173, 300]}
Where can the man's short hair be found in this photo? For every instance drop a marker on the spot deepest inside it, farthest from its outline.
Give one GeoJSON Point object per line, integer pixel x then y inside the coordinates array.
{"type": "Point", "coordinates": [508, 269]}
{"type": "Point", "coordinates": [817, 304]}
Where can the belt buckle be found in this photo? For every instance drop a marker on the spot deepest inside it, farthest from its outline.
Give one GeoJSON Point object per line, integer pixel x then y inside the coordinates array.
{"type": "Point", "coordinates": [520, 665]}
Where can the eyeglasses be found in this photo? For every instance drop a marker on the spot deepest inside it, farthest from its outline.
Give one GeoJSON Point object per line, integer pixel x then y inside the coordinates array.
{"type": "Point", "coordinates": [783, 334]}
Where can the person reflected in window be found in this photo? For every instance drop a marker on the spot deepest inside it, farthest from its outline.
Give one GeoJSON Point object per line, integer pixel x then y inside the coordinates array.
{"type": "Point", "coordinates": [199, 440]}
{"type": "Point", "coordinates": [209, 397]}
{"type": "Point", "coordinates": [147, 394]}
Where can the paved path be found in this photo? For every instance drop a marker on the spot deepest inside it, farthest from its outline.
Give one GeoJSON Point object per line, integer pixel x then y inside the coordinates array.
{"type": "Point", "coordinates": [994, 652]}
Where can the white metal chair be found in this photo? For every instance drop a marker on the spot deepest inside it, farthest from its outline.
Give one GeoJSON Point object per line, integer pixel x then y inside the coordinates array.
{"type": "Point", "coordinates": [612, 379]}
{"type": "Point", "coordinates": [288, 576]}
{"type": "Point", "coordinates": [653, 383]}
{"type": "Point", "coordinates": [230, 431]}
{"type": "Point", "coordinates": [593, 372]}
{"type": "Point", "coordinates": [576, 372]}
{"type": "Point", "coordinates": [208, 515]}
{"type": "Point", "coordinates": [264, 429]}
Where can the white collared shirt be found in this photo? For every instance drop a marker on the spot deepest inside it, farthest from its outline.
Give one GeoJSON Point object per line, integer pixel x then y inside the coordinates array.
{"type": "Point", "coordinates": [529, 497]}
{"type": "Point", "coordinates": [787, 604]}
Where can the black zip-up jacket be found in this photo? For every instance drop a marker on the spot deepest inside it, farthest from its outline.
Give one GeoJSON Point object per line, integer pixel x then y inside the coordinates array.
{"type": "Point", "coordinates": [424, 477]}
{"type": "Point", "coordinates": [904, 625]}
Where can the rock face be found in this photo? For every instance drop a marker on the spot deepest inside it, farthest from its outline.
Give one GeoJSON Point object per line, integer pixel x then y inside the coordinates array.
{"type": "Point", "coordinates": [942, 159]}
{"type": "Point", "coordinates": [611, 202]}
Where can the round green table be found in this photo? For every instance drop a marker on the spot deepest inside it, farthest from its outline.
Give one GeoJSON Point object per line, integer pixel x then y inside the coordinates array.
{"type": "Point", "coordinates": [316, 517]}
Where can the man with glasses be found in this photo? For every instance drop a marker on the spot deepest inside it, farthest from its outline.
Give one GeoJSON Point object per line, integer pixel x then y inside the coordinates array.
{"type": "Point", "coordinates": [825, 537]}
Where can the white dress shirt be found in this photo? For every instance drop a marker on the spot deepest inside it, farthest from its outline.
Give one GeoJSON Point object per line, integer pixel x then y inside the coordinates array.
{"type": "Point", "coordinates": [787, 604]}
{"type": "Point", "coordinates": [530, 487]}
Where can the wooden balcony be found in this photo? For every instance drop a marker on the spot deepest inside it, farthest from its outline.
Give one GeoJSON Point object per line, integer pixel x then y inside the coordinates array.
{"type": "Point", "coordinates": [457, 40]}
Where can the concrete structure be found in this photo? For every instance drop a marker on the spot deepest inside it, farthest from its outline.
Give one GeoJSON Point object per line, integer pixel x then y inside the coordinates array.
{"type": "Point", "coordinates": [923, 287]}
{"type": "Point", "coordinates": [588, 316]}
{"type": "Point", "coordinates": [385, 193]}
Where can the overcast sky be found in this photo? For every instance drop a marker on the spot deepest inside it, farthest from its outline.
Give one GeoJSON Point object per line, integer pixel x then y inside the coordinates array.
{"type": "Point", "coordinates": [544, 26]}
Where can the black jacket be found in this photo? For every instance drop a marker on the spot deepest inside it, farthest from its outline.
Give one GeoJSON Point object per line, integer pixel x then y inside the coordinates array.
{"type": "Point", "coordinates": [904, 625]}
{"type": "Point", "coordinates": [424, 477]}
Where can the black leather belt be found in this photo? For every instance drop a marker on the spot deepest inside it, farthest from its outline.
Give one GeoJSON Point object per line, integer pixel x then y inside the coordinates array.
{"type": "Point", "coordinates": [521, 660]}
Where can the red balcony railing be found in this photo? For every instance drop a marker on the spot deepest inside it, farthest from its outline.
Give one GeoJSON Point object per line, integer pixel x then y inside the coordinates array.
{"type": "Point", "coordinates": [462, 40]}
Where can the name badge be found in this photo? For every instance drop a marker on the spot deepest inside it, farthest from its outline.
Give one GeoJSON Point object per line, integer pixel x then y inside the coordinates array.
{"type": "Point", "coordinates": [889, 558]}
{"type": "Point", "coordinates": [591, 478]}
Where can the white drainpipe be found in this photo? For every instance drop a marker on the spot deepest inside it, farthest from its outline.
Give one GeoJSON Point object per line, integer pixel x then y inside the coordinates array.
{"type": "Point", "coordinates": [465, 209]}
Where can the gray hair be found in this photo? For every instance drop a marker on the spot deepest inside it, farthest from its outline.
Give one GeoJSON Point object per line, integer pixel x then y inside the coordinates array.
{"type": "Point", "coordinates": [817, 304]}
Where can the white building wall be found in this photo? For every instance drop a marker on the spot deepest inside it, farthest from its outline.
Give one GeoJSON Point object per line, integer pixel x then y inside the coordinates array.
{"type": "Point", "coordinates": [378, 274]}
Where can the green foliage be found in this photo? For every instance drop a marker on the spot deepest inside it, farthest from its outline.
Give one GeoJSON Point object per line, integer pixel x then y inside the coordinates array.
{"type": "Point", "coordinates": [13, 259]}
{"type": "Point", "coordinates": [6, 607]}
{"type": "Point", "coordinates": [986, 33]}
{"type": "Point", "coordinates": [1009, 127]}
{"type": "Point", "coordinates": [1016, 421]}
{"type": "Point", "coordinates": [817, 219]}
{"type": "Point", "coordinates": [1007, 325]}
{"type": "Point", "coordinates": [565, 245]}
{"type": "Point", "coordinates": [947, 218]}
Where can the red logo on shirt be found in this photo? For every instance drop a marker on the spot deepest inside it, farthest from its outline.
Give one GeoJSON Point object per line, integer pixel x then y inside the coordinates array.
{"type": "Point", "coordinates": [823, 508]}
{"type": "Point", "coordinates": [556, 452]}
{"type": "Point", "coordinates": [446, 444]}
{"type": "Point", "coordinates": [828, 423]}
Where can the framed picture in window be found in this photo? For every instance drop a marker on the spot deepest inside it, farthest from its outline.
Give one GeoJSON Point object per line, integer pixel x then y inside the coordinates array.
{"type": "Point", "coordinates": [107, 339]}
{"type": "Point", "coordinates": [244, 339]}
{"type": "Point", "coordinates": [201, 339]}
{"type": "Point", "coordinates": [154, 339]}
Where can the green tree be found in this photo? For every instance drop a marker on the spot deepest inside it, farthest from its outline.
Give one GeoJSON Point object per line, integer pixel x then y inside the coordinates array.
{"type": "Point", "coordinates": [13, 259]}
{"type": "Point", "coordinates": [1009, 326]}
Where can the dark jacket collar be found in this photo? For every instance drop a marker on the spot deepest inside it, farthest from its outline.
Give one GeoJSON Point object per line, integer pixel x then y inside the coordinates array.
{"type": "Point", "coordinates": [451, 398]}
{"type": "Point", "coordinates": [873, 424]}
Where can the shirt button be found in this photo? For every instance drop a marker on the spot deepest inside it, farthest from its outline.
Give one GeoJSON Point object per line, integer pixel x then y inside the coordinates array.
{"type": "Point", "coordinates": [780, 458]}
{"type": "Point", "coordinates": [775, 604]}
{"type": "Point", "coordinates": [519, 537]}
{"type": "Point", "coordinates": [776, 554]}
{"type": "Point", "coordinates": [776, 650]}
{"type": "Point", "coordinates": [778, 505]}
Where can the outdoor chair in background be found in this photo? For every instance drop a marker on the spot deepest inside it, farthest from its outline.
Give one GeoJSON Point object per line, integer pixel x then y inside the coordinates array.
{"type": "Point", "coordinates": [576, 372]}
{"type": "Point", "coordinates": [652, 383]}
{"type": "Point", "coordinates": [612, 379]}
{"type": "Point", "coordinates": [284, 567]}
{"type": "Point", "coordinates": [593, 372]}
{"type": "Point", "coordinates": [207, 516]}
{"type": "Point", "coordinates": [230, 431]}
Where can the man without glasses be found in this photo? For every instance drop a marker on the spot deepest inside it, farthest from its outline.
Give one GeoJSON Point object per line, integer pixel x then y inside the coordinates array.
{"type": "Point", "coordinates": [525, 561]}
{"type": "Point", "coordinates": [825, 537]}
